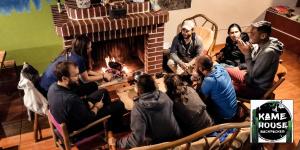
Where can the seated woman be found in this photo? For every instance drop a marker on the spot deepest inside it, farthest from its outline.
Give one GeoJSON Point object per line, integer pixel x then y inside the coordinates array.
{"type": "Point", "coordinates": [189, 110]}
{"type": "Point", "coordinates": [80, 54]}
{"type": "Point", "coordinates": [231, 54]}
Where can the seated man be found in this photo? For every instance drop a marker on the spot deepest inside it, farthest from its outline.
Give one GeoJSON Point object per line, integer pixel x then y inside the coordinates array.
{"type": "Point", "coordinates": [66, 106]}
{"type": "Point", "coordinates": [152, 118]}
{"type": "Point", "coordinates": [262, 59]}
{"type": "Point", "coordinates": [217, 90]}
{"type": "Point", "coordinates": [186, 46]}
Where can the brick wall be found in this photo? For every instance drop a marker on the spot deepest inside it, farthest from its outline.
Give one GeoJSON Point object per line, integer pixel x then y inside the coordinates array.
{"type": "Point", "coordinates": [150, 24]}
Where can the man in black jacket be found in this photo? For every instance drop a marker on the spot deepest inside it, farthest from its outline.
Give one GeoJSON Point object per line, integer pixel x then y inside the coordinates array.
{"type": "Point", "coordinates": [152, 118]}
{"type": "Point", "coordinates": [66, 106]}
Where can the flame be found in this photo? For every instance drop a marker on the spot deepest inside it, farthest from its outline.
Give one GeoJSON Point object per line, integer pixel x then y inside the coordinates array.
{"type": "Point", "coordinates": [107, 60]}
{"type": "Point", "coordinates": [125, 69]}
{"type": "Point", "coordinates": [103, 69]}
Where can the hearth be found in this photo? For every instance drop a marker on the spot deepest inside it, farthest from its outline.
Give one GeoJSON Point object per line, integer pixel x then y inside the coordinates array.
{"type": "Point", "coordinates": [135, 40]}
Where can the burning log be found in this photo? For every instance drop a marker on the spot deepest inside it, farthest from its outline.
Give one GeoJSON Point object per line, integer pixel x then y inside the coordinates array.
{"type": "Point", "coordinates": [114, 70]}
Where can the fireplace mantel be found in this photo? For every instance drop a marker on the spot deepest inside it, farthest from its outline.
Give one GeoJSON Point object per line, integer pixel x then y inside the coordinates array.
{"type": "Point", "coordinates": [66, 25]}
{"type": "Point", "coordinates": [139, 21]}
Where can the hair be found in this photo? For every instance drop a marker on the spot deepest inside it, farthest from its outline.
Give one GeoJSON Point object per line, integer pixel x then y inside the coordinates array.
{"type": "Point", "coordinates": [63, 69]}
{"type": "Point", "coordinates": [79, 47]}
{"type": "Point", "coordinates": [175, 88]}
{"type": "Point", "coordinates": [234, 25]}
{"type": "Point", "coordinates": [205, 62]}
{"type": "Point", "coordinates": [146, 83]}
{"type": "Point", "coordinates": [265, 29]}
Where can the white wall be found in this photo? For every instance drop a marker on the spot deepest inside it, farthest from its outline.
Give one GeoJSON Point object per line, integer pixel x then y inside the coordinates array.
{"type": "Point", "coordinates": [224, 12]}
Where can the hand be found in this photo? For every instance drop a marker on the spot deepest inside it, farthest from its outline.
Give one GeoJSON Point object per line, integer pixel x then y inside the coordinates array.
{"type": "Point", "coordinates": [107, 76]}
{"type": "Point", "coordinates": [184, 66]}
{"type": "Point", "coordinates": [99, 105]}
{"type": "Point", "coordinates": [111, 141]}
{"type": "Point", "coordinates": [195, 76]}
{"type": "Point", "coordinates": [220, 56]}
{"type": "Point", "coordinates": [90, 104]}
{"type": "Point", "coordinates": [244, 47]}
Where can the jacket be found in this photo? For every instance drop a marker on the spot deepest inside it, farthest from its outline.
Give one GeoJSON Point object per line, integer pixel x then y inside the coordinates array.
{"type": "Point", "coordinates": [180, 54]}
{"type": "Point", "coordinates": [191, 115]}
{"type": "Point", "coordinates": [152, 119]}
{"type": "Point", "coordinates": [33, 99]}
{"type": "Point", "coordinates": [232, 55]}
{"type": "Point", "coordinates": [262, 64]}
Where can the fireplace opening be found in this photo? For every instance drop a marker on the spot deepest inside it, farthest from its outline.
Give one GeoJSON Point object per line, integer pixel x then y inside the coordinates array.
{"type": "Point", "coordinates": [128, 52]}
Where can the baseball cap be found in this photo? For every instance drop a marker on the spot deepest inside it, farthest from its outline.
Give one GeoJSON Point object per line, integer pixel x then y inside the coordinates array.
{"type": "Point", "coordinates": [188, 24]}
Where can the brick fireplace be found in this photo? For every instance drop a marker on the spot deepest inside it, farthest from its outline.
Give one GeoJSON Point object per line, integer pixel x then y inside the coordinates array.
{"type": "Point", "coordinates": [98, 26]}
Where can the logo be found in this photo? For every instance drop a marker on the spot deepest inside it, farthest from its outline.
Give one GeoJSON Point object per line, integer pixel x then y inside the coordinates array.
{"type": "Point", "coordinates": [271, 121]}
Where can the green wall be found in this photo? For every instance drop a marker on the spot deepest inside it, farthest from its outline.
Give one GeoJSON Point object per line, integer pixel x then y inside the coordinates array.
{"type": "Point", "coordinates": [30, 36]}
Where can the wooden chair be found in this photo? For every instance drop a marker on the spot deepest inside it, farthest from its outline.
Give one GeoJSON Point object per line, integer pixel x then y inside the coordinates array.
{"type": "Point", "coordinates": [208, 32]}
{"type": "Point", "coordinates": [62, 137]}
{"type": "Point", "coordinates": [37, 132]}
{"type": "Point", "coordinates": [279, 78]}
{"type": "Point", "coordinates": [5, 64]}
{"type": "Point", "coordinates": [7, 78]}
{"type": "Point", "coordinates": [233, 141]}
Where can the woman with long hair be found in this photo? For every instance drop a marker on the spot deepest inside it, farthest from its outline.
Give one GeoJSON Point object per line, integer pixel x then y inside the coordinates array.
{"type": "Point", "coordinates": [80, 54]}
{"type": "Point", "coordinates": [231, 55]}
{"type": "Point", "coordinates": [189, 110]}
{"type": "Point", "coordinates": [82, 46]}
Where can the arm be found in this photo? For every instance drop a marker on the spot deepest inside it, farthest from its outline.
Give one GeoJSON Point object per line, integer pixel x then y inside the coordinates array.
{"type": "Point", "coordinates": [206, 87]}
{"type": "Point", "coordinates": [90, 61]}
{"type": "Point", "coordinates": [262, 64]}
{"type": "Point", "coordinates": [138, 128]}
{"type": "Point", "coordinates": [199, 45]}
{"type": "Point", "coordinates": [93, 73]}
{"type": "Point", "coordinates": [87, 78]}
{"type": "Point", "coordinates": [199, 49]}
{"type": "Point", "coordinates": [173, 51]}
{"type": "Point", "coordinates": [80, 112]}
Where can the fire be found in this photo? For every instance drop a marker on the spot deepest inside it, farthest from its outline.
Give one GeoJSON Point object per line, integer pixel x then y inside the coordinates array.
{"type": "Point", "coordinates": [125, 69]}
{"type": "Point", "coordinates": [107, 60]}
{"type": "Point", "coordinates": [103, 69]}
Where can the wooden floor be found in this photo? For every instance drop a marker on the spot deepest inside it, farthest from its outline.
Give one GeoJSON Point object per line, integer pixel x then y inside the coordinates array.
{"type": "Point", "coordinates": [290, 89]}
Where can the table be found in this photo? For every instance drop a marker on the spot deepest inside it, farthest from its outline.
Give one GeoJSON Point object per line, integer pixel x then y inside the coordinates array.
{"type": "Point", "coordinates": [2, 58]}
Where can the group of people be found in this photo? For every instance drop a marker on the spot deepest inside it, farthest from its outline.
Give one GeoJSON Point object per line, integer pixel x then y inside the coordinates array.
{"type": "Point", "coordinates": [250, 60]}
{"type": "Point", "coordinates": [245, 67]}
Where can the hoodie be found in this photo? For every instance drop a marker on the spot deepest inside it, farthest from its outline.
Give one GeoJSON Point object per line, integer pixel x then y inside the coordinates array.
{"type": "Point", "coordinates": [151, 118]}
{"type": "Point", "coordinates": [262, 64]}
{"type": "Point", "coordinates": [182, 53]}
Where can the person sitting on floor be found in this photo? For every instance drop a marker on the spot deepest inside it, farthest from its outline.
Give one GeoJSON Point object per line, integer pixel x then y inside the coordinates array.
{"type": "Point", "coordinates": [186, 46]}
{"type": "Point", "coordinates": [80, 55]}
{"type": "Point", "coordinates": [231, 55]}
{"type": "Point", "coordinates": [152, 118]}
{"type": "Point", "coordinates": [217, 90]}
{"type": "Point", "coordinates": [189, 109]}
{"type": "Point", "coordinates": [66, 106]}
{"type": "Point", "coordinates": [262, 56]}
